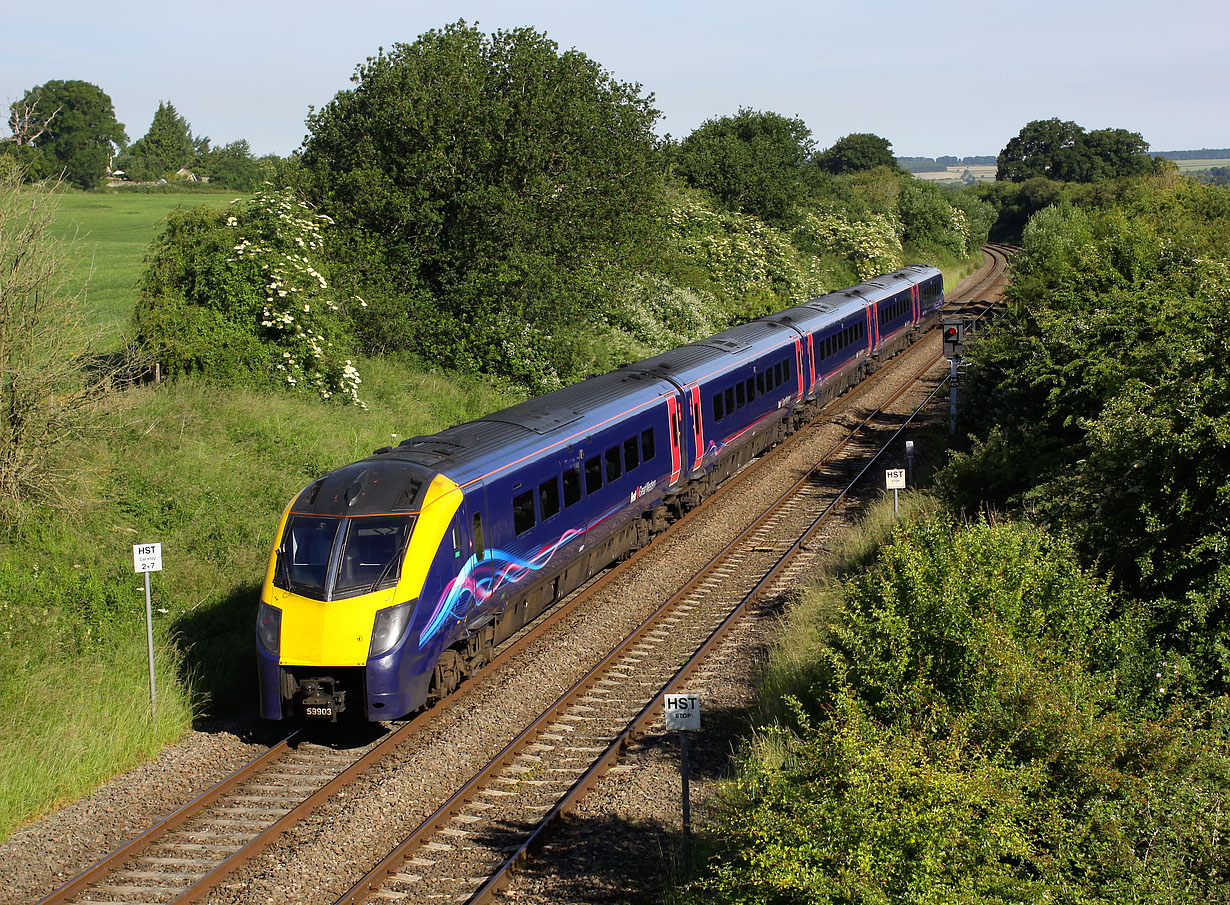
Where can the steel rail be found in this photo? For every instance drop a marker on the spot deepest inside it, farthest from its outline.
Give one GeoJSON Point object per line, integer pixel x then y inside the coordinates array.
{"type": "Point", "coordinates": [391, 862]}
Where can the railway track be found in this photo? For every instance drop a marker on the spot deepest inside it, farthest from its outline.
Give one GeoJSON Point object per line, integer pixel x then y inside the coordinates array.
{"type": "Point", "coordinates": [462, 849]}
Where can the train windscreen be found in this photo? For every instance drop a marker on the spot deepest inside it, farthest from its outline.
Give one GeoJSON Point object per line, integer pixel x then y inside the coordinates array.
{"type": "Point", "coordinates": [369, 557]}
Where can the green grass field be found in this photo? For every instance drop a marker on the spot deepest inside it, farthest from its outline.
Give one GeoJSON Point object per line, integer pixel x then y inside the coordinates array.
{"type": "Point", "coordinates": [113, 231]}
{"type": "Point", "coordinates": [1189, 165]}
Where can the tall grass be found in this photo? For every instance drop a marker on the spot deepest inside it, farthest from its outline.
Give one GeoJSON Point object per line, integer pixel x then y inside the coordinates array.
{"type": "Point", "coordinates": [69, 721]}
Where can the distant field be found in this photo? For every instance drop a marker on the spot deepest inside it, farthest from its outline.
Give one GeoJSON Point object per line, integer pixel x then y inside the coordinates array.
{"type": "Point", "coordinates": [112, 232]}
{"type": "Point", "coordinates": [1186, 165]}
{"type": "Point", "coordinates": [956, 175]}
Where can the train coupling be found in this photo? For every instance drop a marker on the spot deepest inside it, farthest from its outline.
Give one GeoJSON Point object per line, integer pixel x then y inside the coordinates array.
{"type": "Point", "coordinates": [319, 699]}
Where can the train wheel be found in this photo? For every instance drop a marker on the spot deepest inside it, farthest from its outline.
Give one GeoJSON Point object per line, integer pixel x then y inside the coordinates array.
{"type": "Point", "coordinates": [447, 677]}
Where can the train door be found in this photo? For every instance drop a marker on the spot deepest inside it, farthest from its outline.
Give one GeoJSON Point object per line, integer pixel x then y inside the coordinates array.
{"type": "Point", "coordinates": [675, 429]}
{"type": "Point", "coordinates": [916, 302]}
{"type": "Point", "coordinates": [475, 573]}
{"type": "Point", "coordinates": [698, 428]}
{"type": "Point", "coordinates": [873, 327]}
{"type": "Point", "coordinates": [810, 359]}
{"type": "Point", "coordinates": [799, 366]}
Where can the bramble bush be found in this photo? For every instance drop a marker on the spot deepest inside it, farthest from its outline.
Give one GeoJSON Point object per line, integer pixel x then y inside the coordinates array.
{"type": "Point", "coordinates": [240, 296]}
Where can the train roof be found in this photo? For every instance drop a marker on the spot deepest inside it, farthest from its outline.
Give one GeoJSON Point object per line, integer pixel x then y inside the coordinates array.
{"type": "Point", "coordinates": [571, 415]}
{"type": "Point", "coordinates": [565, 417]}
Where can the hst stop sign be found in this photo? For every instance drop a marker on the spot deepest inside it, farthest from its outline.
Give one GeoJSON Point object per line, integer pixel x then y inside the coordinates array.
{"type": "Point", "coordinates": [146, 558]}
{"type": "Point", "coordinates": [682, 711]}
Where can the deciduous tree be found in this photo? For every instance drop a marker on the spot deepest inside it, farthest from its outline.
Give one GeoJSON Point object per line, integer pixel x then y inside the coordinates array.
{"type": "Point", "coordinates": [1064, 151]}
{"type": "Point", "coordinates": [49, 383]}
{"type": "Point", "coordinates": [856, 152]}
{"type": "Point", "coordinates": [72, 124]}
{"type": "Point", "coordinates": [497, 177]}
{"type": "Point", "coordinates": [751, 162]}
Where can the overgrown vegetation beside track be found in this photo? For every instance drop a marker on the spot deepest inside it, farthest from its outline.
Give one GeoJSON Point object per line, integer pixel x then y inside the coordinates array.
{"type": "Point", "coordinates": [1033, 706]}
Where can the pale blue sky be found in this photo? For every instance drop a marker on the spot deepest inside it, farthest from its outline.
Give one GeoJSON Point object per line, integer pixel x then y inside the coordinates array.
{"type": "Point", "coordinates": [932, 77]}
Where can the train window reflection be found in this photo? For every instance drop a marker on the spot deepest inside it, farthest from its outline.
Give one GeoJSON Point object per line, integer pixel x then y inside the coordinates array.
{"type": "Point", "coordinates": [303, 560]}
{"type": "Point", "coordinates": [371, 558]}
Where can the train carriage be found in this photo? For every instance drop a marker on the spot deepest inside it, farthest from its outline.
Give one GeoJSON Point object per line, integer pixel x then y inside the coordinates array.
{"type": "Point", "coordinates": [394, 577]}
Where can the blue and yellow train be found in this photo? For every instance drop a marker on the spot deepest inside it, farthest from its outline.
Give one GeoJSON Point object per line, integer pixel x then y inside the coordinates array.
{"type": "Point", "coordinates": [394, 578]}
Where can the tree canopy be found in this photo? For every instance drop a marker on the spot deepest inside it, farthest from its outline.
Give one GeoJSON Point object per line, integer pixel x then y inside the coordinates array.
{"type": "Point", "coordinates": [1064, 151]}
{"type": "Point", "coordinates": [164, 149]}
{"type": "Point", "coordinates": [67, 126]}
{"type": "Point", "coordinates": [495, 177]}
{"type": "Point", "coordinates": [751, 162]}
{"type": "Point", "coordinates": [857, 152]}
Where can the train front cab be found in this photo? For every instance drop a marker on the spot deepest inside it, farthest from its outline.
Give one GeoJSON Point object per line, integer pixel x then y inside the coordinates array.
{"type": "Point", "coordinates": [343, 628]}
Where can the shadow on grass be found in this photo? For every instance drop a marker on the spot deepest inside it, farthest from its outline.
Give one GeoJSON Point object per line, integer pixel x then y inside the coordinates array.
{"type": "Point", "coordinates": [218, 647]}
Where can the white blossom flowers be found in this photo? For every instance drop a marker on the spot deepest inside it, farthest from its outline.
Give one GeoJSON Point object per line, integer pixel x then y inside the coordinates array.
{"type": "Point", "coordinates": [277, 233]}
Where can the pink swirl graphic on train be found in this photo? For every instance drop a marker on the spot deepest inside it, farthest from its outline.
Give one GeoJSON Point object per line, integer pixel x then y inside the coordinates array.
{"type": "Point", "coordinates": [480, 578]}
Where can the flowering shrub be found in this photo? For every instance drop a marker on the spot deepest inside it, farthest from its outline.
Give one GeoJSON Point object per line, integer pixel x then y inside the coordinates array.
{"type": "Point", "coordinates": [749, 264]}
{"type": "Point", "coordinates": [280, 236]}
{"type": "Point", "coordinates": [239, 295]}
{"type": "Point", "coordinates": [871, 245]}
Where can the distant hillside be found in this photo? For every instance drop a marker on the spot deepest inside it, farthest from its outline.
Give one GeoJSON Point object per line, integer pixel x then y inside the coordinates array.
{"type": "Point", "coordinates": [1202, 154]}
{"type": "Point", "coordinates": [939, 164]}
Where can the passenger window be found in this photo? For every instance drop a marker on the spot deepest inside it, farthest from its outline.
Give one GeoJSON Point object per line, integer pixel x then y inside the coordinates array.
{"type": "Point", "coordinates": [593, 474]}
{"type": "Point", "coordinates": [751, 389]}
{"type": "Point", "coordinates": [718, 412]}
{"type": "Point", "coordinates": [777, 374]}
{"type": "Point", "coordinates": [647, 450]}
{"type": "Point", "coordinates": [613, 466]}
{"type": "Point", "coordinates": [730, 399]}
{"type": "Point", "coordinates": [740, 396]}
{"type": "Point", "coordinates": [788, 369]}
{"type": "Point", "coordinates": [478, 536]}
{"type": "Point", "coordinates": [760, 390]}
{"type": "Point", "coordinates": [632, 453]}
{"type": "Point", "coordinates": [572, 486]}
{"type": "Point", "coordinates": [523, 512]}
{"type": "Point", "coordinates": [548, 498]}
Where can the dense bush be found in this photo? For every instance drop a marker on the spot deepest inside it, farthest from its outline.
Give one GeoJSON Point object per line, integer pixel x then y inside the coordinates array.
{"type": "Point", "coordinates": [966, 741]}
{"type": "Point", "coordinates": [1099, 403]}
{"type": "Point", "coordinates": [236, 295]}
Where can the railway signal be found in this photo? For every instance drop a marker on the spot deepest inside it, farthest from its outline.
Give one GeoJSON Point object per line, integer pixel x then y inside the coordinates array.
{"type": "Point", "coordinates": [954, 338]}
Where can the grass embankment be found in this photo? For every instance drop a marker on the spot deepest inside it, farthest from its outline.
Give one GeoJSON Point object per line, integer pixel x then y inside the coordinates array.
{"type": "Point", "coordinates": [205, 471]}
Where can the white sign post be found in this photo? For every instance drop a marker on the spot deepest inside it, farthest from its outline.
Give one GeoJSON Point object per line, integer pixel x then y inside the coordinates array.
{"type": "Point", "coordinates": [894, 480]}
{"type": "Point", "coordinates": [147, 558]}
{"type": "Point", "coordinates": [683, 713]}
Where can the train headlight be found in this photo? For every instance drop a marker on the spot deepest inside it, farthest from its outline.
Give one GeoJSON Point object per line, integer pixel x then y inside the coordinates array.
{"type": "Point", "coordinates": [389, 626]}
{"type": "Point", "coordinates": [269, 628]}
